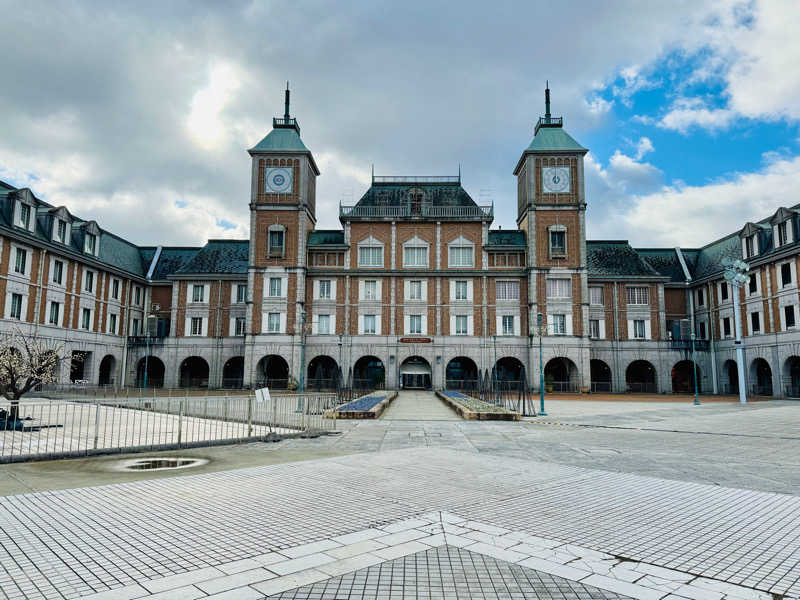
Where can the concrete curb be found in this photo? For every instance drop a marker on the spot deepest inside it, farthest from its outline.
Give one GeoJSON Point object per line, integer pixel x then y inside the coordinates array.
{"type": "Point", "coordinates": [471, 415]}
{"type": "Point", "coordinates": [374, 413]}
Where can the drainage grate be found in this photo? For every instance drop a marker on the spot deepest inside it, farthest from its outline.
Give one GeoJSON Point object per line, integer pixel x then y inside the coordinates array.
{"type": "Point", "coordinates": [159, 464]}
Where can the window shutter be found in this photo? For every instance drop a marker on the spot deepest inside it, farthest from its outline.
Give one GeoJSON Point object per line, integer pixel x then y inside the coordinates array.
{"type": "Point", "coordinates": [452, 324]}
{"type": "Point", "coordinates": [568, 327]}
{"type": "Point", "coordinates": [316, 288]}
{"type": "Point", "coordinates": [406, 289]}
{"type": "Point", "coordinates": [283, 323]}
{"type": "Point", "coordinates": [424, 326]}
{"type": "Point", "coordinates": [630, 329]}
{"type": "Point", "coordinates": [378, 295]}
{"type": "Point", "coordinates": [647, 334]}
{"type": "Point", "coordinates": [602, 329]}
{"type": "Point", "coordinates": [333, 289]}
{"type": "Point", "coordinates": [470, 325]}
{"type": "Point", "coordinates": [551, 324]}
{"type": "Point", "coordinates": [453, 294]}
{"type": "Point", "coordinates": [498, 324]}
{"type": "Point", "coordinates": [469, 290]}
{"type": "Point", "coordinates": [187, 329]}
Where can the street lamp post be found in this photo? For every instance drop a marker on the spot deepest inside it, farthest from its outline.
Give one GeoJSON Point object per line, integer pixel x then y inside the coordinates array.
{"type": "Point", "coordinates": [539, 326]}
{"type": "Point", "coordinates": [736, 275]}
{"type": "Point", "coordinates": [147, 349]}
{"type": "Point", "coordinates": [302, 361]}
{"type": "Point", "coordinates": [694, 372]}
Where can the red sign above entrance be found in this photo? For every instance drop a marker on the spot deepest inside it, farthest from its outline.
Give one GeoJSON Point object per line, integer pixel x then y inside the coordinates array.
{"type": "Point", "coordinates": [415, 340]}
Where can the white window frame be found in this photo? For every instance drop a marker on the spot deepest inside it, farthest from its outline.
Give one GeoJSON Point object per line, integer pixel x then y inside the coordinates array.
{"type": "Point", "coordinates": [756, 275]}
{"type": "Point", "coordinates": [371, 290]}
{"type": "Point", "coordinates": [20, 307]}
{"type": "Point", "coordinates": [116, 288]}
{"type": "Point", "coordinates": [83, 325]}
{"type": "Point", "coordinates": [639, 331]}
{"type": "Point", "coordinates": [505, 321]}
{"type": "Point", "coordinates": [87, 249]}
{"type": "Point", "coordinates": [507, 290]}
{"type": "Point", "coordinates": [556, 286]}
{"type": "Point", "coordinates": [374, 322]}
{"type": "Point", "coordinates": [237, 287]}
{"type": "Point", "coordinates": [237, 330]}
{"type": "Point", "coordinates": [458, 321]}
{"type": "Point", "coordinates": [557, 229]}
{"type": "Point", "coordinates": [272, 251]}
{"type": "Point", "coordinates": [416, 244]}
{"type": "Point", "coordinates": [592, 290]}
{"type": "Point", "coordinates": [275, 287]}
{"type": "Point", "coordinates": [113, 323]}
{"type": "Point", "coordinates": [415, 289]}
{"type": "Point", "coordinates": [784, 323]}
{"type": "Point", "coordinates": [459, 297]}
{"type": "Point", "coordinates": [637, 293]}
{"type": "Point", "coordinates": [57, 221]}
{"type": "Point", "coordinates": [750, 322]}
{"type": "Point", "coordinates": [196, 326]}
{"type": "Point", "coordinates": [326, 318]}
{"type": "Point", "coordinates": [324, 289]}
{"type": "Point", "coordinates": [559, 324]}
{"type": "Point", "coordinates": [792, 274]}
{"type": "Point", "coordinates": [90, 277]}
{"type": "Point", "coordinates": [461, 243]}
{"type": "Point", "coordinates": [414, 325]}
{"type": "Point", "coordinates": [375, 254]}
{"type": "Point", "coordinates": [31, 224]}
{"type": "Point", "coordinates": [60, 315]}
{"type": "Point", "coordinates": [26, 267]}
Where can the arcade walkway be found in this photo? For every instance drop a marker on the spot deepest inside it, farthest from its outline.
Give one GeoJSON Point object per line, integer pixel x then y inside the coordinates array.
{"type": "Point", "coordinates": [418, 406]}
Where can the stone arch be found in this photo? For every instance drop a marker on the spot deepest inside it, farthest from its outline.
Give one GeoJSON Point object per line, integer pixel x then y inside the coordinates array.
{"type": "Point", "coordinates": [731, 374]}
{"type": "Point", "coordinates": [760, 378]}
{"type": "Point", "coordinates": [322, 373]}
{"type": "Point", "coordinates": [233, 372]}
{"type": "Point", "coordinates": [415, 373]}
{"type": "Point", "coordinates": [683, 374]}
{"type": "Point", "coordinates": [150, 372]}
{"type": "Point", "coordinates": [461, 373]}
{"type": "Point", "coordinates": [561, 375]}
{"type": "Point", "coordinates": [272, 372]}
{"type": "Point", "coordinates": [194, 372]}
{"type": "Point", "coordinates": [791, 377]}
{"type": "Point", "coordinates": [106, 374]}
{"type": "Point", "coordinates": [640, 377]}
{"type": "Point", "coordinates": [601, 380]}
{"type": "Point", "coordinates": [369, 371]}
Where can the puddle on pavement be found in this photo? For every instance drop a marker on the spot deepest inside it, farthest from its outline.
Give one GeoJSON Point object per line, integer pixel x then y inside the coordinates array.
{"type": "Point", "coordinates": [157, 463]}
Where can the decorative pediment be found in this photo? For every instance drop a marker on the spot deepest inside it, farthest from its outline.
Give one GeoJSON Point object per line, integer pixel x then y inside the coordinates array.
{"type": "Point", "coordinates": [61, 212]}
{"type": "Point", "coordinates": [461, 241]}
{"type": "Point", "coordinates": [25, 195]}
{"type": "Point", "coordinates": [416, 241]}
{"type": "Point", "coordinates": [749, 229]}
{"type": "Point", "coordinates": [370, 241]}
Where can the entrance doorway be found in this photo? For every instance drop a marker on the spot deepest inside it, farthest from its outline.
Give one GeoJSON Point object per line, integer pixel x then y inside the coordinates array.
{"type": "Point", "coordinates": [415, 374]}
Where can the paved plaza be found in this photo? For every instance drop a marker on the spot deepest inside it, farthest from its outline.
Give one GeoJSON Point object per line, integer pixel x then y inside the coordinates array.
{"type": "Point", "coordinates": [596, 500]}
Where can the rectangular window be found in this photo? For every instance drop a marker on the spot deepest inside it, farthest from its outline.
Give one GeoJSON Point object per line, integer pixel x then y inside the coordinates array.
{"type": "Point", "coordinates": [112, 324]}
{"type": "Point", "coordinates": [55, 309]}
{"type": "Point", "coordinates": [369, 324]}
{"type": "Point", "coordinates": [137, 296]}
{"type": "Point", "coordinates": [594, 328]}
{"type": "Point", "coordinates": [135, 327]}
{"type": "Point", "coordinates": [596, 295]}
{"type": "Point", "coordinates": [88, 282]}
{"type": "Point", "coordinates": [415, 256]}
{"type": "Point", "coordinates": [788, 314]}
{"type": "Point", "coordinates": [20, 261]}
{"type": "Point", "coordinates": [508, 324]}
{"type": "Point", "coordinates": [559, 324]}
{"type": "Point", "coordinates": [461, 290]}
{"type": "Point", "coordinates": [508, 290]}
{"type": "Point", "coordinates": [115, 289]}
{"type": "Point", "coordinates": [86, 318]}
{"type": "Point", "coordinates": [91, 243]}
{"type": "Point", "coordinates": [726, 326]}
{"type": "Point", "coordinates": [638, 329]}
{"type": "Point", "coordinates": [782, 233]}
{"type": "Point", "coordinates": [25, 216]}
{"type": "Point", "coordinates": [415, 290]}
{"type": "Point", "coordinates": [238, 326]}
{"type": "Point", "coordinates": [700, 297]}
{"type": "Point", "coordinates": [750, 245]}
{"type": "Point", "coordinates": [275, 287]}
{"type": "Point", "coordinates": [241, 293]}
{"type": "Point", "coordinates": [197, 326]}
{"type": "Point", "coordinates": [461, 325]}
{"type": "Point", "coordinates": [58, 272]}
{"type": "Point", "coordinates": [16, 305]}
{"type": "Point", "coordinates": [753, 284]}
{"type": "Point", "coordinates": [325, 289]}
{"type": "Point", "coordinates": [274, 323]}
{"type": "Point", "coordinates": [415, 324]}
{"type": "Point", "coordinates": [61, 231]}
{"type": "Point", "coordinates": [461, 256]}
{"type": "Point", "coordinates": [198, 293]}
{"type": "Point", "coordinates": [370, 290]}
{"type": "Point", "coordinates": [324, 324]}
{"type": "Point", "coordinates": [370, 256]}
{"type": "Point", "coordinates": [701, 330]}
{"type": "Point", "coordinates": [638, 295]}
{"type": "Point", "coordinates": [558, 244]}
{"type": "Point", "coordinates": [723, 290]}
{"type": "Point", "coordinates": [755, 322]}
{"type": "Point", "coordinates": [786, 274]}
{"type": "Point", "coordinates": [276, 243]}
{"type": "Point", "coordinates": [559, 288]}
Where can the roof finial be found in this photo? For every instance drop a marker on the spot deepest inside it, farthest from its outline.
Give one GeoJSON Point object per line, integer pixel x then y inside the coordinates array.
{"type": "Point", "coordinates": [286, 113]}
{"type": "Point", "coordinates": [547, 101]}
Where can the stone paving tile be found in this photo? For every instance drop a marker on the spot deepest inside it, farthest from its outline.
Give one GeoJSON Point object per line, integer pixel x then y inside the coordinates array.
{"type": "Point", "coordinates": [449, 574]}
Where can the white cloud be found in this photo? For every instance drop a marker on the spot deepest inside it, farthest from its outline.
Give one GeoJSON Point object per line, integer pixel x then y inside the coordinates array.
{"type": "Point", "coordinates": [690, 112]}
{"type": "Point", "coordinates": [205, 123]}
{"type": "Point", "coordinates": [643, 147]}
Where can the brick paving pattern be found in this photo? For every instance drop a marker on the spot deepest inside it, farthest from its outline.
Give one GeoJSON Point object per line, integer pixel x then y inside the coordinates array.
{"type": "Point", "coordinates": [447, 573]}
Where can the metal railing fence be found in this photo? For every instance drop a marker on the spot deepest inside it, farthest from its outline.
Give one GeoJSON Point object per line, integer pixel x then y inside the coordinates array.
{"type": "Point", "coordinates": [59, 428]}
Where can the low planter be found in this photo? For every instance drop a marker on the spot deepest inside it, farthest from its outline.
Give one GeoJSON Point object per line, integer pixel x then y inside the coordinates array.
{"type": "Point", "coordinates": [471, 408]}
{"type": "Point", "coordinates": [370, 406]}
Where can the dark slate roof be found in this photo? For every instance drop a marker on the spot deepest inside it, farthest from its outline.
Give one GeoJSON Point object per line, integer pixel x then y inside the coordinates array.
{"type": "Point", "coordinates": [326, 237]}
{"type": "Point", "coordinates": [616, 258]}
{"type": "Point", "coordinates": [507, 237]}
{"type": "Point", "coordinates": [225, 257]}
{"type": "Point", "coordinates": [709, 258]}
{"type": "Point", "coordinates": [171, 260]}
{"type": "Point", "coordinates": [123, 255]}
{"type": "Point", "coordinates": [665, 261]}
{"type": "Point", "coordinates": [436, 193]}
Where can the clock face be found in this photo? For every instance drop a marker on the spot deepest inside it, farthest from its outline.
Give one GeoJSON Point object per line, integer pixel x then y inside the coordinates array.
{"type": "Point", "coordinates": [555, 180]}
{"type": "Point", "coordinates": [278, 180]}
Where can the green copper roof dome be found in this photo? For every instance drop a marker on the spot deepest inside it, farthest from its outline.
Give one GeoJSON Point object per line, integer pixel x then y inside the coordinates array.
{"type": "Point", "coordinates": [554, 138]}
{"type": "Point", "coordinates": [281, 140]}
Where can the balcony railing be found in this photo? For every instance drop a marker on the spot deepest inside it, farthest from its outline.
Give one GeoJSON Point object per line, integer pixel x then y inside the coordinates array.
{"type": "Point", "coordinates": [458, 212]}
{"type": "Point", "coordinates": [143, 340]}
{"type": "Point", "coordinates": [686, 344]}
{"type": "Point", "coordinates": [548, 122]}
{"type": "Point", "coordinates": [416, 179]}
{"type": "Point", "coordinates": [282, 123]}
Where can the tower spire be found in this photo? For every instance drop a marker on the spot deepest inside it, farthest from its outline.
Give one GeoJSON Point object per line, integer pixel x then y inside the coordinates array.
{"type": "Point", "coordinates": [286, 113]}
{"type": "Point", "coordinates": [546, 101]}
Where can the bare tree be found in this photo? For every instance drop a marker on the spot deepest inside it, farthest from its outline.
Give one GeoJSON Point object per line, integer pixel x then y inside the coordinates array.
{"type": "Point", "coordinates": [26, 361]}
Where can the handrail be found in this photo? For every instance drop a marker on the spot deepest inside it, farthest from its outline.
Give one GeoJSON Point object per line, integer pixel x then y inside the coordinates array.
{"type": "Point", "coordinates": [417, 211]}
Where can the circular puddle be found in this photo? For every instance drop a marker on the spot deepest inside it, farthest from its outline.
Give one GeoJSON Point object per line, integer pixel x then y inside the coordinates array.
{"type": "Point", "coordinates": [162, 463]}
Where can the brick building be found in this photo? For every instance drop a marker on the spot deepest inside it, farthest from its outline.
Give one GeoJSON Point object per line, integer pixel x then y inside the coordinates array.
{"type": "Point", "coordinates": [416, 289]}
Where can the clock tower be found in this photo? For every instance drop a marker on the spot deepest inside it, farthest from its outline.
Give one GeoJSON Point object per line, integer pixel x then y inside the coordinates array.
{"type": "Point", "coordinates": [551, 208]}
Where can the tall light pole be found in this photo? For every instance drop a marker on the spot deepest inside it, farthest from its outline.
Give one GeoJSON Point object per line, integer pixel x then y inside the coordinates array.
{"type": "Point", "coordinates": [694, 372]}
{"type": "Point", "coordinates": [302, 361]}
{"type": "Point", "coordinates": [539, 330]}
{"type": "Point", "coordinates": [736, 275]}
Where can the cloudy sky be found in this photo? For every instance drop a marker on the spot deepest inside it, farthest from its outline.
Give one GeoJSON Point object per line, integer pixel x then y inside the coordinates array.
{"type": "Point", "coordinates": [139, 114]}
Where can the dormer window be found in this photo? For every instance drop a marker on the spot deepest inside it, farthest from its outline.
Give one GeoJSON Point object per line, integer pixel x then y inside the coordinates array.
{"type": "Point", "coordinates": [25, 216]}
{"type": "Point", "coordinates": [750, 246]}
{"type": "Point", "coordinates": [60, 231]}
{"type": "Point", "coordinates": [90, 244]}
{"type": "Point", "coordinates": [783, 233]}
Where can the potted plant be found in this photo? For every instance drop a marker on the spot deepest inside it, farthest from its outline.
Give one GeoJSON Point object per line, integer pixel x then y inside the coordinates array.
{"type": "Point", "coordinates": [548, 384]}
